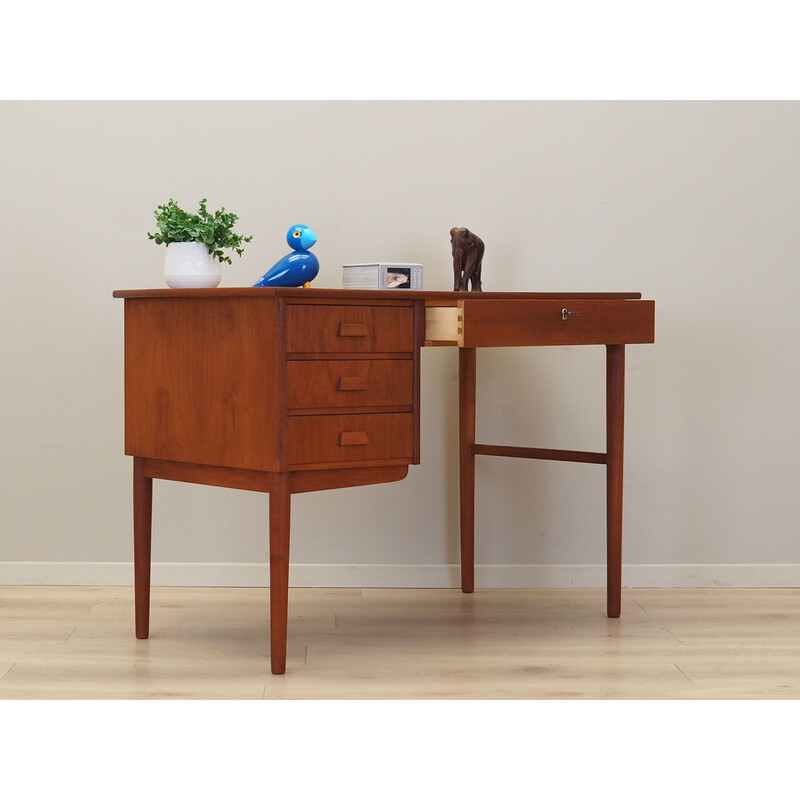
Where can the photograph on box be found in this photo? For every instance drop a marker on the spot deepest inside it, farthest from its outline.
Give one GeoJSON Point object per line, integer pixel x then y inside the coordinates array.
{"type": "Point", "coordinates": [398, 278]}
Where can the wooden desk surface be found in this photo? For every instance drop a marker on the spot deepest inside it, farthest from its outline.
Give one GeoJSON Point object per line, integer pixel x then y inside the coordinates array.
{"type": "Point", "coordinates": [431, 298]}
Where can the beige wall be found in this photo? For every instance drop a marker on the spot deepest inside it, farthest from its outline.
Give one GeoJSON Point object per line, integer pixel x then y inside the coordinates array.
{"type": "Point", "coordinates": [696, 205]}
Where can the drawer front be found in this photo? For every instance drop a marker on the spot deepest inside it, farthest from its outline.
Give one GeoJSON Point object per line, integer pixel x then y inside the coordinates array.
{"type": "Point", "coordinates": [510, 323]}
{"type": "Point", "coordinates": [350, 384]}
{"type": "Point", "coordinates": [337, 438]}
{"type": "Point", "coordinates": [349, 329]}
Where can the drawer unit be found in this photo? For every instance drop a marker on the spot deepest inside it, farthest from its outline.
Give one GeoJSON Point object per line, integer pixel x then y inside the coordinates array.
{"type": "Point", "coordinates": [349, 383]}
{"type": "Point", "coordinates": [315, 441]}
{"type": "Point", "coordinates": [349, 329]}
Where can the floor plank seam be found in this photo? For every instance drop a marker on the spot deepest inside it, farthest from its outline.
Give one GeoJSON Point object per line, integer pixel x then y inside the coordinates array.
{"type": "Point", "coordinates": [684, 674]}
{"type": "Point", "coordinates": [672, 635]}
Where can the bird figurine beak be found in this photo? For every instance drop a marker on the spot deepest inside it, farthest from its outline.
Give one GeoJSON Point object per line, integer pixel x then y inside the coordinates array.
{"type": "Point", "coordinates": [307, 238]}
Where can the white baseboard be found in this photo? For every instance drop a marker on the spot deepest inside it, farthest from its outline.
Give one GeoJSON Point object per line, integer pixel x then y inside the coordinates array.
{"type": "Point", "coordinates": [428, 576]}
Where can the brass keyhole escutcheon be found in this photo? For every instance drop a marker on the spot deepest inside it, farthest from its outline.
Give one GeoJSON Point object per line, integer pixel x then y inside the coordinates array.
{"type": "Point", "coordinates": [566, 314]}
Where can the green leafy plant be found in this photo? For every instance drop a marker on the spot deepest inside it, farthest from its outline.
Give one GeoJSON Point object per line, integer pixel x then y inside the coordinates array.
{"type": "Point", "coordinates": [213, 230]}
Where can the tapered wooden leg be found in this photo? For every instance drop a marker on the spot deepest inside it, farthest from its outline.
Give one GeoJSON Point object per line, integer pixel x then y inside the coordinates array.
{"type": "Point", "coordinates": [142, 537]}
{"type": "Point", "coordinates": [615, 415]}
{"type": "Point", "coordinates": [466, 442]}
{"type": "Point", "coordinates": [279, 518]}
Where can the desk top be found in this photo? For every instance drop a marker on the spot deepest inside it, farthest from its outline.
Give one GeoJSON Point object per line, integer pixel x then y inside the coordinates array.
{"type": "Point", "coordinates": [432, 298]}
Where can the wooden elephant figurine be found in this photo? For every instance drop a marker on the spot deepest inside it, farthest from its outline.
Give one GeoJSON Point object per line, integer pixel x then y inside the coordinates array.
{"type": "Point", "coordinates": [467, 259]}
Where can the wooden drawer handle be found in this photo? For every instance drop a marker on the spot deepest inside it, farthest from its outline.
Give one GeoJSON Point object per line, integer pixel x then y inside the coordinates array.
{"type": "Point", "coordinates": [354, 383]}
{"type": "Point", "coordinates": [349, 438]}
{"type": "Point", "coordinates": [353, 329]}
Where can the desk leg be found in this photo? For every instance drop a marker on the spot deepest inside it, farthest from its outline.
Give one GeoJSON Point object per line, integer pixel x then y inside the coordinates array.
{"type": "Point", "coordinates": [615, 413]}
{"type": "Point", "coordinates": [279, 518]}
{"type": "Point", "coordinates": [142, 528]}
{"type": "Point", "coordinates": [466, 442]}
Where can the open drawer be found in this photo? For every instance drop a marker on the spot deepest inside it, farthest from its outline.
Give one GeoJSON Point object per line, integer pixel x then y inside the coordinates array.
{"type": "Point", "coordinates": [475, 322]}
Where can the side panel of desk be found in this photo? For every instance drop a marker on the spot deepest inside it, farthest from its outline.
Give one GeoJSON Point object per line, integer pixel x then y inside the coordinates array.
{"type": "Point", "coordinates": [202, 381]}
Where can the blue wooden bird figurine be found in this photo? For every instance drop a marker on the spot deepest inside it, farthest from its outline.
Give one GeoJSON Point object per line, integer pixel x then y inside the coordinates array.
{"type": "Point", "coordinates": [298, 268]}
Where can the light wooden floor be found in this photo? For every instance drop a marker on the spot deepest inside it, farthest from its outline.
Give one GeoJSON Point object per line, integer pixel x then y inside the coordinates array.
{"type": "Point", "coordinates": [212, 643]}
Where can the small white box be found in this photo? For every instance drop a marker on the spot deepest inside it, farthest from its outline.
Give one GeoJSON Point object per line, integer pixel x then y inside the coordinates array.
{"type": "Point", "coordinates": [382, 275]}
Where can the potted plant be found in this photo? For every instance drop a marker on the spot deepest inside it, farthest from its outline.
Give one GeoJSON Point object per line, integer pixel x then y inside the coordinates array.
{"type": "Point", "coordinates": [196, 244]}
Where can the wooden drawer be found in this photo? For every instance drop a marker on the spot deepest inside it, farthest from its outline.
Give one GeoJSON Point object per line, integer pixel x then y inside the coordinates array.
{"type": "Point", "coordinates": [557, 322]}
{"type": "Point", "coordinates": [350, 384]}
{"type": "Point", "coordinates": [349, 329]}
{"type": "Point", "coordinates": [518, 323]}
{"type": "Point", "coordinates": [341, 438]}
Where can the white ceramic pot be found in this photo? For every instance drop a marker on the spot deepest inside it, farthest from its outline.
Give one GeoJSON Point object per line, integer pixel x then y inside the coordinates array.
{"type": "Point", "coordinates": [189, 265]}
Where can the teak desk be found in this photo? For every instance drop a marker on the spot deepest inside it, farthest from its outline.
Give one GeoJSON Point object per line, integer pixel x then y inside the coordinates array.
{"type": "Point", "coordinates": [297, 390]}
